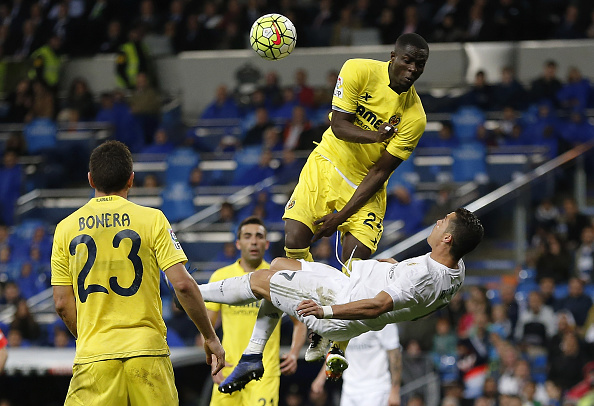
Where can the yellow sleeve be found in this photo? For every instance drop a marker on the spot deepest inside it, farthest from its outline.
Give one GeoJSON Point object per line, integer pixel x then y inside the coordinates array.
{"type": "Point", "coordinates": [59, 261]}
{"type": "Point", "coordinates": [168, 250]}
{"type": "Point", "coordinates": [346, 92]}
{"type": "Point", "coordinates": [405, 142]}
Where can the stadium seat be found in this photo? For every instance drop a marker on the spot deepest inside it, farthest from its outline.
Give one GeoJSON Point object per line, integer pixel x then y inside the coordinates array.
{"type": "Point", "coordinates": [179, 165]}
{"type": "Point", "coordinates": [178, 202]}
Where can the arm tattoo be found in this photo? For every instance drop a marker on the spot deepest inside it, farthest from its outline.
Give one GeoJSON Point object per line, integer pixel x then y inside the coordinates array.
{"type": "Point", "coordinates": [395, 361]}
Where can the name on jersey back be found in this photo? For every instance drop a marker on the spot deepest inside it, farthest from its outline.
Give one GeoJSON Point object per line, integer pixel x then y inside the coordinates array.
{"type": "Point", "coordinates": [104, 220]}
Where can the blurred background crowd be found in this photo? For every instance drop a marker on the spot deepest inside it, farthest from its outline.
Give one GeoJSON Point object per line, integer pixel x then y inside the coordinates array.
{"type": "Point", "coordinates": [525, 338]}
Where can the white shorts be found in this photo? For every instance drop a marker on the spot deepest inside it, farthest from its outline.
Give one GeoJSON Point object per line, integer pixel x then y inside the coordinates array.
{"type": "Point", "coordinates": [324, 285]}
{"type": "Point", "coordinates": [364, 398]}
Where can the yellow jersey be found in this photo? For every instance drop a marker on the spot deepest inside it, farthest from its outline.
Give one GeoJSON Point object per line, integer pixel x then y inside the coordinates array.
{"type": "Point", "coordinates": [238, 323]}
{"type": "Point", "coordinates": [363, 89]}
{"type": "Point", "coordinates": [110, 251]}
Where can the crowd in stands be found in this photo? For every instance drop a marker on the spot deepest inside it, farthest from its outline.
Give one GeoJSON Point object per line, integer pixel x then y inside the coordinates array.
{"type": "Point", "coordinates": [87, 28]}
{"type": "Point", "coordinates": [525, 340]}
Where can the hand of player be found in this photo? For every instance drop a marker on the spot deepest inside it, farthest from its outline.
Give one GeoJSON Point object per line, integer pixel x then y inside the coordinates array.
{"type": "Point", "coordinates": [289, 364]}
{"type": "Point", "coordinates": [330, 223]}
{"type": "Point", "coordinates": [388, 260]}
{"type": "Point", "coordinates": [309, 307]}
{"type": "Point", "coordinates": [214, 350]}
{"type": "Point", "coordinates": [218, 378]}
{"type": "Point", "coordinates": [384, 132]}
{"type": "Point", "coordinates": [394, 398]}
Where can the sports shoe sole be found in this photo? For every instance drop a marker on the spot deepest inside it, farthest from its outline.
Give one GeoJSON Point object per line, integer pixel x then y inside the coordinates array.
{"type": "Point", "coordinates": [335, 366]}
{"type": "Point", "coordinates": [240, 382]}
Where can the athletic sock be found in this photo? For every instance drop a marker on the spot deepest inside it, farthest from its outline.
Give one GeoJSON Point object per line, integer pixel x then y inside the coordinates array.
{"type": "Point", "coordinates": [268, 318]}
{"type": "Point", "coordinates": [299, 253]}
{"type": "Point", "coordinates": [234, 291]}
{"type": "Point", "coordinates": [341, 344]}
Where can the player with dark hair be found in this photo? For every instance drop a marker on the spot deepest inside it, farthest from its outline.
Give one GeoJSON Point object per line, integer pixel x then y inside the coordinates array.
{"type": "Point", "coordinates": [377, 120]}
{"type": "Point", "coordinates": [340, 308]}
{"type": "Point", "coordinates": [105, 265]}
{"type": "Point", "coordinates": [238, 322]}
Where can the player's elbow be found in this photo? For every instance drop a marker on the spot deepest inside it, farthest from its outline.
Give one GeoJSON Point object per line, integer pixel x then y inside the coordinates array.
{"type": "Point", "coordinates": [380, 307]}
{"type": "Point", "coordinates": [185, 286]}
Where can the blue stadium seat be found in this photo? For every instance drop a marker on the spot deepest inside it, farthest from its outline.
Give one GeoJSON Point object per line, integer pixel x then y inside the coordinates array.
{"type": "Point", "coordinates": [179, 165]}
{"type": "Point", "coordinates": [178, 201]}
{"type": "Point", "coordinates": [469, 162]}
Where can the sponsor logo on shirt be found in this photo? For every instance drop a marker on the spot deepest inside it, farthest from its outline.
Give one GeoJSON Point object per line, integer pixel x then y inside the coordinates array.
{"type": "Point", "coordinates": [176, 243]}
{"type": "Point", "coordinates": [338, 89]}
{"type": "Point", "coordinates": [366, 96]}
{"type": "Point", "coordinates": [449, 292]}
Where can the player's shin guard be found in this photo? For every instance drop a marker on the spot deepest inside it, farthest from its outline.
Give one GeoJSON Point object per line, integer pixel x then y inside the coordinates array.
{"type": "Point", "coordinates": [234, 291]}
{"type": "Point", "coordinates": [268, 318]}
{"type": "Point", "coordinates": [299, 253]}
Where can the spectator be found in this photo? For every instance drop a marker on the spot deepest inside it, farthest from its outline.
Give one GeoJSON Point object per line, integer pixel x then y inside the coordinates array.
{"type": "Point", "coordinates": [161, 144]}
{"type": "Point", "coordinates": [226, 214]}
{"type": "Point", "coordinates": [404, 205]}
{"type": "Point", "coordinates": [46, 63]}
{"type": "Point", "coordinates": [481, 93]}
{"type": "Point", "coordinates": [472, 363]}
{"type": "Point", "coordinates": [479, 28]}
{"type": "Point", "coordinates": [303, 91]}
{"type": "Point", "coordinates": [577, 302]}
{"type": "Point", "coordinates": [255, 135]}
{"type": "Point", "coordinates": [575, 93]}
{"type": "Point", "coordinates": [112, 38]}
{"type": "Point", "coordinates": [578, 128]}
{"type": "Point", "coordinates": [547, 85]}
{"type": "Point", "coordinates": [145, 105]}
{"type": "Point", "coordinates": [12, 294]}
{"type": "Point", "coordinates": [29, 281]}
{"type": "Point", "coordinates": [223, 106]}
{"type": "Point", "coordinates": [188, 37]}
{"type": "Point", "coordinates": [566, 368]}
{"type": "Point", "coordinates": [447, 30]}
{"type": "Point", "coordinates": [295, 128]}
{"type": "Point", "coordinates": [80, 98]}
{"type": "Point", "coordinates": [554, 260]}
{"type": "Point", "coordinates": [414, 363]}
{"type": "Point", "coordinates": [565, 324]}
{"type": "Point", "coordinates": [584, 256]}
{"type": "Point", "coordinates": [569, 26]}
{"type": "Point", "coordinates": [25, 322]}
{"type": "Point", "coordinates": [132, 58]}
{"type": "Point", "coordinates": [62, 337]}
{"type": "Point", "coordinates": [20, 102]}
{"type": "Point", "coordinates": [501, 324]}
{"type": "Point", "coordinates": [545, 130]}
{"type": "Point", "coordinates": [256, 173]}
{"type": "Point", "coordinates": [546, 287]}
{"type": "Point", "coordinates": [228, 253]}
{"type": "Point", "coordinates": [150, 20]}
{"type": "Point", "coordinates": [271, 140]}
{"type": "Point", "coordinates": [285, 110]}
{"type": "Point", "coordinates": [116, 112]}
{"type": "Point", "coordinates": [11, 185]}
{"type": "Point", "coordinates": [28, 41]}
{"type": "Point", "coordinates": [182, 325]}
{"type": "Point", "coordinates": [509, 92]}
{"type": "Point", "coordinates": [572, 222]}
{"type": "Point", "coordinates": [513, 384]}
{"type": "Point", "coordinates": [537, 323]}
{"type": "Point", "coordinates": [150, 181]}
{"type": "Point", "coordinates": [273, 96]}
{"type": "Point", "coordinates": [444, 340]}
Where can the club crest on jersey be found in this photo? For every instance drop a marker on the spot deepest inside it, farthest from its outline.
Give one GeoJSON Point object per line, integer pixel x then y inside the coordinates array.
{"type": "Point", "coordinates": [176, 243]}
{"type": "Point", "coordinates": [338, 89]}
{"type": "Point", "coordinates": [394, 120]}
{"type": "Point", "coordinates": [290, 204]}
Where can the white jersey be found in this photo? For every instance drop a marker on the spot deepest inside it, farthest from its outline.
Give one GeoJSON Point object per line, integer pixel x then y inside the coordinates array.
{"type": "Point", "coordinates": [367, 380]}
{"type": "Point", "coordinates": [418, 286]}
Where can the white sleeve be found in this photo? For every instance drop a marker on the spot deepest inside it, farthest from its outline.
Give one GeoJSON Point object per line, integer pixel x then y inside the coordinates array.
{"type": "Point", "coordinates": [388, 337]}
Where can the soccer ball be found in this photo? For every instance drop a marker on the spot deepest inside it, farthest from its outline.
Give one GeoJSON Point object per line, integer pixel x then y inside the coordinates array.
{"type": "Point", "coordinates": [273, 36]}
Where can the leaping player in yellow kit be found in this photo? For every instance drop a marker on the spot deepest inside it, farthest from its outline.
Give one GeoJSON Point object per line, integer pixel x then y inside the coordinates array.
{"type": "Point", "coordinates": [105, 275]}
{"type": "Point", "coordinates": [377, 121]}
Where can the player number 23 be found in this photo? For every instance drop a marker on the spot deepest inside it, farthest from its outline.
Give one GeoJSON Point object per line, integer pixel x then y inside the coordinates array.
{"type": "Point", "coordinates": [87, 240]}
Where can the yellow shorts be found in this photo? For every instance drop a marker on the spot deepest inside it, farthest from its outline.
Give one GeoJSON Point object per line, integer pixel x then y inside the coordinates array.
{"type": "Point", "coordinates": [322, 189]}
{"type": "Point", "coordinates": [131, 381]}
{"type": "Point", "coordinates": [258, 393]}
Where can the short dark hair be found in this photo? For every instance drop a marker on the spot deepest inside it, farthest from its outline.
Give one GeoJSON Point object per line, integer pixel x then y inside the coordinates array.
{"type": "Point", "coordinates": [467, 232]}
{"type": "Point", "coordinates": [411, 39]}
{"type": "Point", "coordinates": [110, 166]}
{"type": "Point", "coordinates": [250, 220]}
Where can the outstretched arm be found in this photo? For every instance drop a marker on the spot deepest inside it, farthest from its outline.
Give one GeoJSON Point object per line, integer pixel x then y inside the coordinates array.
{"type": "Point", "coordinates": [190, 298]}
{"type": "Point", "coordinates": [357, 310]}
{"type": "Point", "coordinates": [373, 181]}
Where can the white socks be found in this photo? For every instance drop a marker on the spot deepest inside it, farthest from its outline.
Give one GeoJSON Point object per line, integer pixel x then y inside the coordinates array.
{"type": "Point", "coordinates": [268, 318]}
{"type": "Point", "coordinates": [232, 291]}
